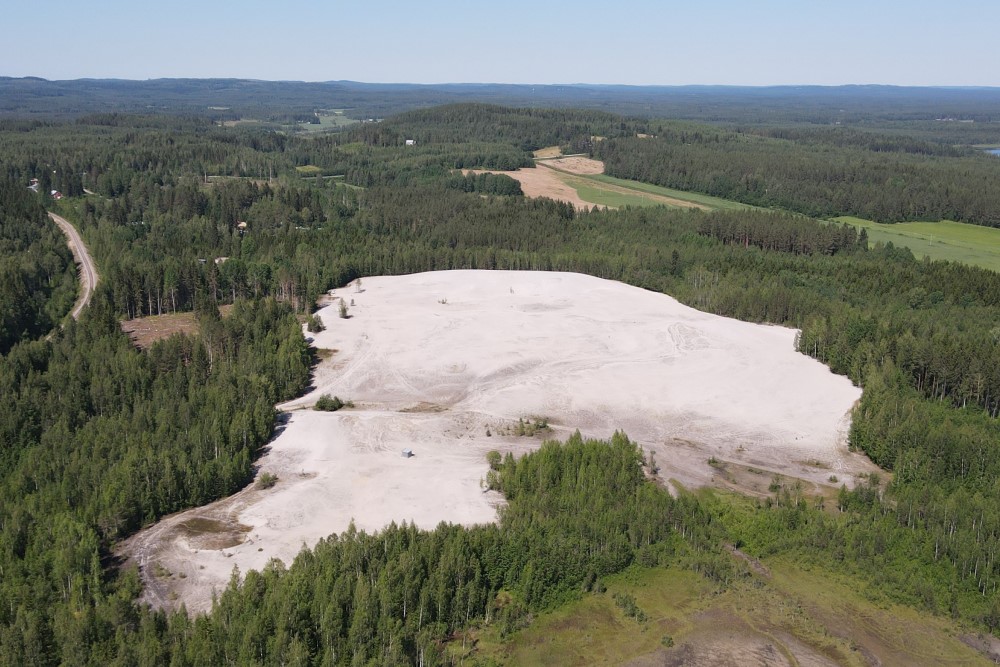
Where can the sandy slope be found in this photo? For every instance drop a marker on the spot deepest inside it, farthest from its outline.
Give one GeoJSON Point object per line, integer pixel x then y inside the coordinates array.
{"type": "Point", "coordinates": [433, 361]}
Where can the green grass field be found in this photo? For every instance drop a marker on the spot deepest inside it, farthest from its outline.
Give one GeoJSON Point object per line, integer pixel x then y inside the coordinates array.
{"type": "Point", "coordinates": [714, 203]}
{"type": "Point", "coordinates": [946, 240]}
{"type": "Point", "coordinates": [590, 191]}
{"type": "Point", "coordinates": [617, 192]}
{"type": "Point", "coordinates": [329, 120]}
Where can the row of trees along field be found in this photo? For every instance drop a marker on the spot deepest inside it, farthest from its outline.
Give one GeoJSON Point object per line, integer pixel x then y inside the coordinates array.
{"type": "Point", "coordinates": [817, 172]}
{"type": "Point", "coordinates": [920, 336]}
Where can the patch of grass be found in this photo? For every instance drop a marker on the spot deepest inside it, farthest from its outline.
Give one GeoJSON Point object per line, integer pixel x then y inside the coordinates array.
{"type": "Point", "coordinates": [596, 630]}
{"type": "Point", "coordinates": [308, 169]}
{"type": "Point", "coordinates": [845, 606]}
{"type": "Point", "coordinates": [945, 240]}
{"type": "Point", "coordinates": [715, 203]}
{"type": "Point", "coordinates": [266, 480]}
{"type": "Point", "coordinates": [617, 192]}
{"type": "Point", "coordinates": [595, 194]}
{"type": "Point", "coordinates": [807, 613]}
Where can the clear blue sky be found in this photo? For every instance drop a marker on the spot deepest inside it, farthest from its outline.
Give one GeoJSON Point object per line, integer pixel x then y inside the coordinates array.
{"type": "Point", "coordinates": [744, 42]}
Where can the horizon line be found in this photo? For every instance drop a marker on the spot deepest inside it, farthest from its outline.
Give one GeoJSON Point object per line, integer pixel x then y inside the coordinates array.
{"type": "Point", "coordinates": [523, 84]}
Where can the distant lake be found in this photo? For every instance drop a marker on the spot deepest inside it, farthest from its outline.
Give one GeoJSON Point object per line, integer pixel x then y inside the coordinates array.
{"type": "Point", "coordinates": [995, 151]}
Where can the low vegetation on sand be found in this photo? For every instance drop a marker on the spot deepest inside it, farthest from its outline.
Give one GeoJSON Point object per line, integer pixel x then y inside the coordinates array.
{"type": "Point", "coordinates": [327, 404]}
{"type": "Point", "coordinates": [796, 613]}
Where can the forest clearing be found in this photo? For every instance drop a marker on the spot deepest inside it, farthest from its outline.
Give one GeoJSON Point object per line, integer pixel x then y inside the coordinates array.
{"type": "Point", "coordinates": [452, 363]}
{"type": "Point", "coordinates": [144, 331]}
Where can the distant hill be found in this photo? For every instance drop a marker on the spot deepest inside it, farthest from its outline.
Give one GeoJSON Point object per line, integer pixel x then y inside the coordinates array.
{"type": "Point", "coordinates": [296, 100]}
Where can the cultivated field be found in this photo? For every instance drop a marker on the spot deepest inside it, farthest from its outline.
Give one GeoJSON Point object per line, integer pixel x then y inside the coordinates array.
{"type": "Point", "coordinates": [543, 182]}
{"type": "Point", "coordinates": [329, 120]}
{"type": "Point", "coordinates": [450, 364]}
{"type": "Point", "coordinates": [581, 181]}
{"type": "Point", "coordinates": [945, 240]}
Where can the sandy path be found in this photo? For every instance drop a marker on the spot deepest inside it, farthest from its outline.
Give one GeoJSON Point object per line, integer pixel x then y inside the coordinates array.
{"type": "Point", "coordinates": [446, 363]}
{"type": "Point", "coordinates": [88, 272]}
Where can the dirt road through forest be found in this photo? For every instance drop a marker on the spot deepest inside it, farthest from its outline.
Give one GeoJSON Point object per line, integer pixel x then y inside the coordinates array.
{"type": "Point", "coordinates": [88, 272]}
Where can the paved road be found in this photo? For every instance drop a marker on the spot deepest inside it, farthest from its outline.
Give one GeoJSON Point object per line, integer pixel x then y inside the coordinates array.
{"type": "Point", "coordinates": [88, 272]}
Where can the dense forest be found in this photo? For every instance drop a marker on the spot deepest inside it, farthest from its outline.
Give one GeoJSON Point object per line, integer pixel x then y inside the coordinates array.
{"type": "Point", "coordinates": [99, 438]}
{"type": "Point", "coordinates": [285, 101]}
{"type": "Point", "coordinates": [37, 276]}
{"type": "Point", "coordinates": [821, 173]}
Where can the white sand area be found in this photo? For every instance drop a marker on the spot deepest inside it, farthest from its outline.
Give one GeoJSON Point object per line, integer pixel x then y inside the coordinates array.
{"type": "Point", "coordinates": [434, 361]}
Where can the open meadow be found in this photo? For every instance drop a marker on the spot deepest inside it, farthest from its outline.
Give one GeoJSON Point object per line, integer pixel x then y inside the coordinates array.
{"type": "Point", "coordinates": [944, 240]}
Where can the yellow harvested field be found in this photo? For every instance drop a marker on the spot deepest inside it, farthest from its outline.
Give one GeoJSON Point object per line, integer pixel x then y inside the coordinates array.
{"type": "Point", "coordinates": [577, 165]}
{"type": "Point", "coordinates": [542, 182]}
{"type": "Point", "coordinates": [548, 152]}
{"type": "Point", "coordinates": [565, 178]}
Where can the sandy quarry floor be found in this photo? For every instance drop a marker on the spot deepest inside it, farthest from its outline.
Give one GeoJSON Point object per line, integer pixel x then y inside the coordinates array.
{"type": "Point", "coordinates": [434, 361]}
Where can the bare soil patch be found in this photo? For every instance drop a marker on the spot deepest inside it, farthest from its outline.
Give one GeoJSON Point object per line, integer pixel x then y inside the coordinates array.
{"type": "Point", "coordinates": [723, 639]}
{"type": "Point", "coordinates": [548, 152]}
{"type": "Point", "coordinates": [206, 533]}
{"type": "Point", "coordinates": [144, 331]}
{"type": "Point", "coordinates": [576, 164]}
{"type": "Point", "coordinates": [543, 182]}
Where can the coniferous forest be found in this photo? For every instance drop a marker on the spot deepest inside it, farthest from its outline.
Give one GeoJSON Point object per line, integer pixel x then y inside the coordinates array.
{"type": "Point", "coordinates": [99, 438]}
